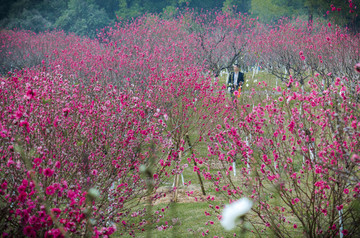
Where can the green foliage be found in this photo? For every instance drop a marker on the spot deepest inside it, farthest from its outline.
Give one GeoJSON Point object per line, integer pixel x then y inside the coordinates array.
{"type": "Point", "coordinates": [23, 14]}
{"type": "Point", "coordinates": [127, 10]}
{"type": "Point", "coordinates": [29, 20]}
{"type": "Point", "coordinates": [206, 5]}
{"type": "Point", "coordinates": [240, 5]}
{"type": "Point", "coordinates": [4, 8]}
{"type": "Point", "coordinates": [110, 7]}
{"type": "Point", "coordinates": [83, 17]}
{"type": "Point", "coordinates": [52, 10]}
{"type": "Point", "coordinates": [337, 10]}
{"type": "Point", "coordinates": [271, 10]}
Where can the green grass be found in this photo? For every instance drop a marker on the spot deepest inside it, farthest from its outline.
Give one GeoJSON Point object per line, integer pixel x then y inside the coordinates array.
{"type": "Point", "coordinates": [188, 220]}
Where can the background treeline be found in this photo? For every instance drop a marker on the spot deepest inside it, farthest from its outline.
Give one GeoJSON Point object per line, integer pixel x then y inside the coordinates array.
{"type": "Point", "coordinates": [85, 17]}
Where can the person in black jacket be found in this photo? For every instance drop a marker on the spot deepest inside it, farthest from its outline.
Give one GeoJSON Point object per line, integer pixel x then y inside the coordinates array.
{"type": "Point", "coordinates": [235, 80]}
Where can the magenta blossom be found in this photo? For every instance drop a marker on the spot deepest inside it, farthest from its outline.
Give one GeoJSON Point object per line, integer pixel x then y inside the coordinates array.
{"type": "Point", "coordinates": [30, 94]}
{"type": "Point", "coordinates": [29, 231]}
{"type": "Point", "coordinates": [56, 211]}
{"type": "Point", "coordinates": [48, 172]}
{"type": "Point", "coordinates": [50, 190]}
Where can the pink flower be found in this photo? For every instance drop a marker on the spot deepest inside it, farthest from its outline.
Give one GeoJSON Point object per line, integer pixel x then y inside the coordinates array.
{"type": "Point", "coordinates": [24, 123]}
{"type": "Point", "coordinates": [50, 190]}
{"type": "Point", "coordinates": [56, 120]}
{"type": "Point", "coordinates": [56, 211]}
{"type": "Point", "coordinates": [48, 172]}
{"type": "Point", "coordinates": [324, 211]}
{"type": "Point", "coordinates": [25, 183]}
{"type": "Point", "coordinates": [70, 225]}
{"type": "Point", "coordinates": [10, 162]}
{"type": "Point", "coordinates": [33, 220]}
{"type": "Point", "coordinates": [57, 164]}
{"type": "Point", "coordinates": [295, 226]}
{"type": "Point", "coordinates": [111, 230]}
{"type": "Point", "coordinates": [37, 161]}
{"type": "Point", "coordinates": [4, 185]}
{"type": "Point", "coordinates": [18, 113]}
{"type": "Point", "coordinates": [29, 231]}
{"type": "Point", "coordinates": [71, 194]}
{"type": "Point", "coordinates": [54, 233]}
{"type": "Point", "coordinates": [22, 196]}
{"type": "Point", "coordinates": [30, 94]}
{"type": "Point", "coordinates": [66, 111]}
{"type": "Point", "coordinates": [346, 191]}
{"type": "Point", "coordinates": [21, 189]}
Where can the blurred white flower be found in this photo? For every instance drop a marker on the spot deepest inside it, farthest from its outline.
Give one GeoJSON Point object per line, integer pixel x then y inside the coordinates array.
{"type": "Point", "coordinates": [288, 100]}
{"type": "Point", "coordinates": [247, 85]}
{"type": "Point", "coordinates": [235, 212]}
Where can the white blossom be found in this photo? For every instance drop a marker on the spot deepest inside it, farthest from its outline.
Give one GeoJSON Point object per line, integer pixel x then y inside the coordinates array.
{"type": "Point", "coordinates": [235, 211]}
